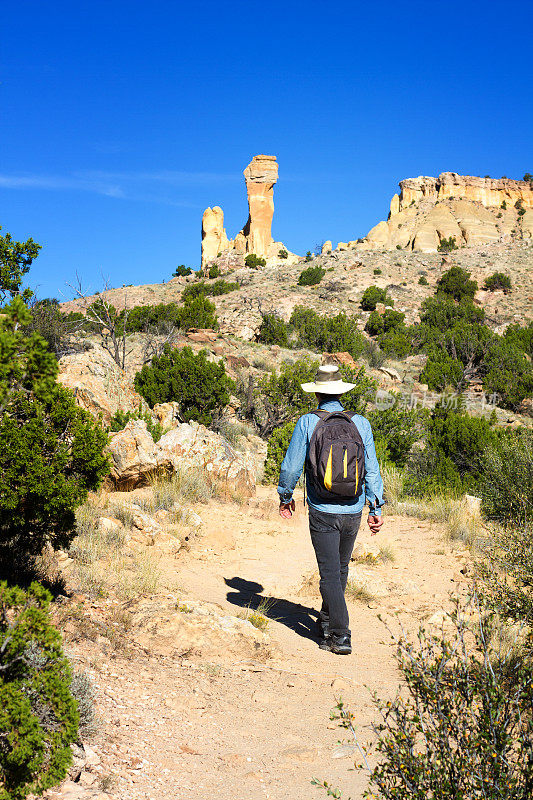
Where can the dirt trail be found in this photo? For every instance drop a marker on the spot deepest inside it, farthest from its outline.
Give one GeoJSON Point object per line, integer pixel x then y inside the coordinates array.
{"type": "Point", "coordinates": [242, 729]}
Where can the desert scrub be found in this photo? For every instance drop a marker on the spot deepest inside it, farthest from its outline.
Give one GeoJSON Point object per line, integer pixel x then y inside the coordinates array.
{"type": "Point", "coordinates": [374, 295]}
{"type": "Point", "coordinates": [120, 419]}
{"type": "Point", "coordinates": [311, 276]}
{"type": "Point", "coordinates": [498, 281]}
{"type": "Point", "coordinates": [463, 726]}
{"type": "Point", "coordinates": [201, 387]}
{"type": "Point", "coordinates": [38, 713]}
{"type": "Point", "coordinates": [83, 691]}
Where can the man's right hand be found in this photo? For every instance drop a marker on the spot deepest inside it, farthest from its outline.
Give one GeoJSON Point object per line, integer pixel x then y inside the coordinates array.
{"type": "Point", "coordinates": [286, 509]}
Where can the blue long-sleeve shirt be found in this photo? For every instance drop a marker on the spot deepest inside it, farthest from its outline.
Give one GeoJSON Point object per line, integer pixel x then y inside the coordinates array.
{"type": "Point", "coordinates": [294, 461]}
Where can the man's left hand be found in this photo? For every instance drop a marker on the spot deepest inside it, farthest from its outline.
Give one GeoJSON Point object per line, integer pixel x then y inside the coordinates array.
{"type": "Point", "coordinates": [374, 523]}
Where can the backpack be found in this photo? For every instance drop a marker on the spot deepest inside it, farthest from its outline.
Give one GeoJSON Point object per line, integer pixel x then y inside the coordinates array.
{"type": "Point", "coordinates": [335, 464]}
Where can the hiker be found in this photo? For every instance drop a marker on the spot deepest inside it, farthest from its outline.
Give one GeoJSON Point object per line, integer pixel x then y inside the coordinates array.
{"type": "Point", "coordinates": [341, 471]}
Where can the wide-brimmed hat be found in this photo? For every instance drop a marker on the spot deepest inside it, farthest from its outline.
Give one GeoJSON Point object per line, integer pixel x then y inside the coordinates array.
{"type": "Point", "coordinates": [328, 380]}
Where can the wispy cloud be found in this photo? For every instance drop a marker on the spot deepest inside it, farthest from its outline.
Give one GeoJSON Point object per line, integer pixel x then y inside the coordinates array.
{"type": "Point", "coordinates": [142, 186]}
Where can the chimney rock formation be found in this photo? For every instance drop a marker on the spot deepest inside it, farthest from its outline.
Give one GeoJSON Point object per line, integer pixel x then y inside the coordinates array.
{"type": "Point", "coordinates": [256, 237]}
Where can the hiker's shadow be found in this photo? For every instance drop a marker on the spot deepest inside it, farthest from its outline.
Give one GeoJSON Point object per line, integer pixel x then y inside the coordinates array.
{"type": "Point", "coordinates": [248, 594]}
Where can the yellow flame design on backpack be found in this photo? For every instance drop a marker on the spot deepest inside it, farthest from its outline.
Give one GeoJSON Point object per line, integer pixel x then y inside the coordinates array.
{"type": "Point", "coordinates": [329, 470]}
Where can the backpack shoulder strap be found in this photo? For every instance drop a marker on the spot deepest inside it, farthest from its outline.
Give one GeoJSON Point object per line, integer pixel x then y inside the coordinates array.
{"type": "Point", "coordinates": [321, 413]}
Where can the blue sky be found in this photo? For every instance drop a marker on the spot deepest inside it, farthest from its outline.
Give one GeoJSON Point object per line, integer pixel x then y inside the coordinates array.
{"type": "Point", "coordinates": [122, 121]}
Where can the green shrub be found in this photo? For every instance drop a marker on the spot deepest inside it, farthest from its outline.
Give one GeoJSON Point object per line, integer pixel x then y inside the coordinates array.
{"type": "Point", "coordinates": [311, 276]}
{"type": "Point", "coordinates": [507, 373]}
{"type": "Point", "coordinates": [377, 271]}
{"type": "Point", "coordinates": [208, 289]}
{"type": "Point", "coordinates": [446, 245]}
{"type": "Point", "coordinates": [153, 318]}
{"type": "Point", "coordinates": [498, 281]}
{"type": "Point", "coordinates": [461, 726]}
{"type": "Point", "coordinates": [276, 449]}
{"type": "Point", "coordinates": [397, 342]}
{"type": "Point", "coordinates": [455, 354]}
{"type": "Point", "coordinates": [382, 323]}
{"type": "Point", "coordinates": [456, 283]}
{"type": "Point", "coordinates": [506, 483]}
{"type": "Point", "coordinates": [214, 271]}
{"type": "Point", "coordinates": [38, 714]}
{"type": "Point", "coordinates": [279, 397]}
{"type": "Point", "coordinates": [199, 386]}
{"type": "Point", "coordinates": [374, 295]}
{"type": "Point", "coordinates": [15, 261]}
{"type": "Point", "coordinates": [50, 449]}
{"type": "Point", "coordinates": [254, 261]}
{"type": "Point", "coordinates": [503, 205]}
{"type": "Point", "coordinates": [120, 419]}
{"type": "Point", "coordinates": [441, 373]}
{"type": "Point", "coordinates": [283, 253]}
{"type": "Point", "coordinates": [327, 334]}
{"type": "Point", "coordinates": [398, 430]}
{"type": "Point", "coordinates": [198, 313]}
{"type": "Point", "coordinates": [309, 256]}
{"type": "Point", "coordinates": [53, 326]}
{"type": "Point", "coordinates": [375, 357]}
{"type": "Point", "coordinates": [423, 281]}
{"type": "Point", "coordinates": [442, 312]}
{"type": "Point", "coordinates": [181, 271]}
{"type": "Point", "coordinates": [521, 337]}
{"type": "Point", "coordinates": [273, 331]}
{"type": "Point", "coordinates": [452, 458]}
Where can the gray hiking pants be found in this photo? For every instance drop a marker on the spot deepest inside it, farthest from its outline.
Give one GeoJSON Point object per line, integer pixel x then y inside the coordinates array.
{"type": "Point", "coordinates": [333, 537]}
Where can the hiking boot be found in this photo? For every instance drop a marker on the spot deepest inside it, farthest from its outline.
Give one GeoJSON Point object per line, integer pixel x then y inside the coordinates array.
{"type": "Point", "coordinates": [323, 634]}
{"type": "Point", "coordinates": [341, 645]}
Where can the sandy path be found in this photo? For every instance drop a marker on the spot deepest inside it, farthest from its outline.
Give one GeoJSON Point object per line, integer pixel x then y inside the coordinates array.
{"type": "Point", "coordinates": [243, 730]}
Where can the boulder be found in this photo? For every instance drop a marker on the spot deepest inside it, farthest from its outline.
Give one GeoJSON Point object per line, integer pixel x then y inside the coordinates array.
{"type": "Point", "coordinates": [327, 247]}
{"type": "Point", "coordinates": [98, 383]}
{"type": "Point", "coordinates": [135, 458]}
{"type": "Point", "coordinates": [193, 446]}
{"type": "Point", "coordinates": [133, 455]}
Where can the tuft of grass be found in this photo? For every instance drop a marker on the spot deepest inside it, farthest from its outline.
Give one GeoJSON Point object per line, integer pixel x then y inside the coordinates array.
{"type": "Point", "coordinates": [387, 554]}
{"type": "Point", "coordinates": [393, 480]}
{"type": "Point", "coordinates": [234, 432]}
{"type": "Point", "coordinates": [260, 617]}
{"type": "Point", "coordinates": [358, 592]}
{"type": "Point", "coordinates": [184, 485]}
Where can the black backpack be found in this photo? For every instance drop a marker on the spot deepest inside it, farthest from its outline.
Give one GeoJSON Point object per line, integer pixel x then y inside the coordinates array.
{"type": "Point", "coordinates": [335, 464]}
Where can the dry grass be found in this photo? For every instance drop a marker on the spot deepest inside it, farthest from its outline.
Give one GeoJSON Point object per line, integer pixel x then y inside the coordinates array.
{"type": "Point", "coordinates": [260, 617]}
{"type": "Point", "coordinates": [358, 592]}
{"type": "Point", "coordinates": [103, 564]}
{"type": "Point", "coordinates": [461, 526]}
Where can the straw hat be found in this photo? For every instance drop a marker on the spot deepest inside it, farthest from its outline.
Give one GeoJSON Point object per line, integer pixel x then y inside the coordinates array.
{"type": "Point", "coordinates": [328, 380]}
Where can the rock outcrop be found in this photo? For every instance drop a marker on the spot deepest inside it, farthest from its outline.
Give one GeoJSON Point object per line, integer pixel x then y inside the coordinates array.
{"type": "Point", "coordinates": [135, 457]}
{"type": "Point", "coordinates": [260, 175]}
{"type": "Point", "coordinates": [214, 239]}
{"type": "Point", "coordinates": [472, 210]}
{"type": "Point", "coordinates": [489, 192]}
{"type": "Point", "coordinates": [99, 385]}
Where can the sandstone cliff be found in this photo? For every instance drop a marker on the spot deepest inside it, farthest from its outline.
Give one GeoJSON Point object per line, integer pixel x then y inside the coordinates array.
{"type": "Point", "coordinates": [473, 210]}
